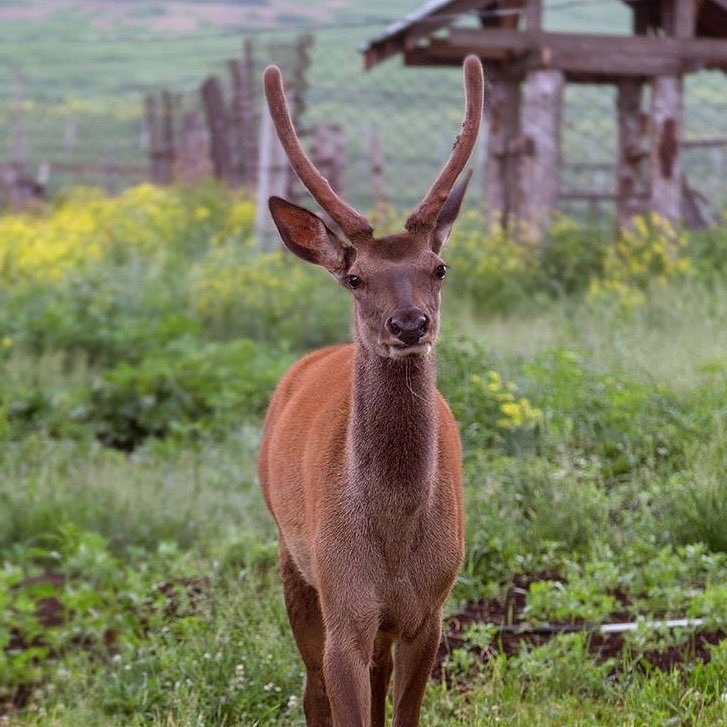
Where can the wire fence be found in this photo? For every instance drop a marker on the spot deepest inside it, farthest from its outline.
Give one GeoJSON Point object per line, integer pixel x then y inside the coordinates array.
{"type": "Point", "coordinates": [399, 122]}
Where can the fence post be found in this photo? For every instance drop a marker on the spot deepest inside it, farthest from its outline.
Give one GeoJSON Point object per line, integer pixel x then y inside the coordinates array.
{"type": "Point", "coordinates": [167, 138]}
{"type": "Point", "coordinates": [273, 179]}
{"type": "Point", "coordinates": [378, 182]}
{"type": "Point", "coordinates": [217, 124]}
{"type": "Point", "coordinates": [540, 157]}
{"type": "Point", "coordinates": [632, 170]}
{"type": "Point", "coordinates": [503, 116]}
{"type": "Point", "coordinates": [237, 129]}
{"type": "Point", "coordinates": [193, 158]}
{"type": "Point", "coordinates": [666, 123]}
{"type": "Point", "coordinates": [156, 153]}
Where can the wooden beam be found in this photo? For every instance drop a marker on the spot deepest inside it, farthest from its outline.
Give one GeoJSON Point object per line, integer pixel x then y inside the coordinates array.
{"type": "Point", "coordinates": [649, 51]}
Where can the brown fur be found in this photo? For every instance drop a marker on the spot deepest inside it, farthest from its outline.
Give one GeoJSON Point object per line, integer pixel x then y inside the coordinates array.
{"type": "Point", "coordinates": [365, 489]}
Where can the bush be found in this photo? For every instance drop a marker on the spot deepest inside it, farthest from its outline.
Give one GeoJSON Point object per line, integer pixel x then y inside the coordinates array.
{"type": "Point", "coordinates": [187, 388]}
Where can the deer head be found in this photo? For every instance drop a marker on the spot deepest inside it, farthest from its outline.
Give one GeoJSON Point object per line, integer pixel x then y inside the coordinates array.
{"type": "Point", "coordinates": [395, 280]}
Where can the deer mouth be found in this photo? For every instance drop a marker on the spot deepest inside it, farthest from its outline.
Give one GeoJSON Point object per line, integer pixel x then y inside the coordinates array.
{"type": "Point", "coordinates": [403, 351]}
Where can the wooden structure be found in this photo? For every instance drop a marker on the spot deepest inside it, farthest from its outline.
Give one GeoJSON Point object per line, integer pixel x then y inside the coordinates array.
{"type": "Point", "coordinates": [527, 68]}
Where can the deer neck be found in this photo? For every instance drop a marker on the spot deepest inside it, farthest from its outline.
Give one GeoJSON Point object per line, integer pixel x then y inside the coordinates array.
{"type": "Point", "coordinates": [392, 432]}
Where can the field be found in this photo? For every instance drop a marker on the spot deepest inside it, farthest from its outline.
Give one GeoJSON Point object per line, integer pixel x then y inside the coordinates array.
{"type": "Point", "coordinates": [140, 338]}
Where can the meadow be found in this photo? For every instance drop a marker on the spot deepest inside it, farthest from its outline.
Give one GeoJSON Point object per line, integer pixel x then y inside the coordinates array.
{"type": "Point", "coordinates": [140, 338]}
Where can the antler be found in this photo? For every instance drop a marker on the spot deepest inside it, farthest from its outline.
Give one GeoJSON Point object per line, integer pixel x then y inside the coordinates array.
{"type": "Point", "coordinates": [425, 215]}
{"type": "Point", "coordinates": [348, 219]}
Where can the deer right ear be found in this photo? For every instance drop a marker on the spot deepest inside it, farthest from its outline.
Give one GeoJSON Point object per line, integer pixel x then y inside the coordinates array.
{"type": "Point", "coordinates": [306, 235]}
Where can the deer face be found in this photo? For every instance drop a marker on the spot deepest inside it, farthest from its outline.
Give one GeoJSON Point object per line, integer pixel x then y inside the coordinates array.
{"type": "Point", "coordinates": [395, 280]}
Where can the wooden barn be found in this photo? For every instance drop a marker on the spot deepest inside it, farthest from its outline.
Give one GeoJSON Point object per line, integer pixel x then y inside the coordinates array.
{"type": "Point", "coordinates": [527, 67]}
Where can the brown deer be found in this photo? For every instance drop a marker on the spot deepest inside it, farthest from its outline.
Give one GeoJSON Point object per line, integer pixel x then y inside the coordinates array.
{"type": "Point", "coordinates": [360, 461]}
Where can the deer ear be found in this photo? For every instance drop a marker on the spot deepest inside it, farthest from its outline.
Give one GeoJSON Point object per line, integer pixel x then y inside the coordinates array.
{"type": "Point", "coordinates": [306, 235]}
{"type": "Point", "coordinates": [448, 213]}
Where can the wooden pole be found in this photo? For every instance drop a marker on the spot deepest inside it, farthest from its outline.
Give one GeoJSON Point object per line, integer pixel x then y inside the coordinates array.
{"type": "Point", "coordinates": [378, 183]}
{"type": "Point", "coordinates": [632, 170]}
{"type": "Point", "coordinates": [237, 122]}
{"type": "Point", "coordinates": [540, 158]}
{"type": "Point", "coordinates": [248, 118]}
{"type": "Point", "coordinates": [666, 124]}
{"type": "Point", "coordinates": [273, 180]}
{"type": "Point", "coordinates": [193, 158]}
{"type": "Point", "coordinates": [218, 125]}
{"type": "Point", "coordinates": [167, 138]}
{"type": "Point", "coordinates": [503, 117]}
{"type": "Point", "coordinates": [151, 115]}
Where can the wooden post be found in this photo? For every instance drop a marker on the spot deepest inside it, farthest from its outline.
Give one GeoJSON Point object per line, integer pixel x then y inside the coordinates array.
{"type": "Point", "coordinates": [533, 14]}
{"type": "Point", "coordinates": [167, 138]}
{"type": "Point", "coordinates": [503, 118]}
{"type": "Point", "coordinates": [378, 184]}
{"type": "Point", "coordinates": [218, 125]}
{"type": "Point", "coordinates": [666, 123]}
{"type": "Point", "coordinates": [273, 179]}
{"type": "Point", "coordinates": [540, 158]}
{"type": "Point", "coordinates": [328, 153]}
{"type": "Point", "coordinates": [237, 129]}
{"type": "Point", "coordinates": [632, 170]}
{"type": "Point", "coordinates": [193, 158]}
{"type": "Point", "coordinates": [248, 118]}
{"type": "Point", "coordinates": [156, 152]}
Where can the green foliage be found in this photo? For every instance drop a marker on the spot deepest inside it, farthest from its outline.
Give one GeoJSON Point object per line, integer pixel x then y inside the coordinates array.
{"type": "Point", "coordinates": [594, 462]}
{"type": "Point", "coordinates": [183, 389]}
{"type": "Point", "coordinates": [563, 666]}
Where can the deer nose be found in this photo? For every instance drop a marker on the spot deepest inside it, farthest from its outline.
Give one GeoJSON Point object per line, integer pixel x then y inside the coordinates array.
{"type": "Point", "coordinates": [408, 325]}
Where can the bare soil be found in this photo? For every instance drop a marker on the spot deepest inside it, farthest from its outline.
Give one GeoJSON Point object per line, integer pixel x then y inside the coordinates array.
{"type": "Point", "coordinates": [508, 612]}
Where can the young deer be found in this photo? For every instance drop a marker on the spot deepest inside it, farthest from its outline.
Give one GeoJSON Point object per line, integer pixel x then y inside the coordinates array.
{"type": "Point", "coordinates": [360, 458]}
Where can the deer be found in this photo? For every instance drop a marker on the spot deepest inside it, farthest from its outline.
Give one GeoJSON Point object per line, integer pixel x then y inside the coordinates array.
{"type": "Point", "coordinates": [360, 458]}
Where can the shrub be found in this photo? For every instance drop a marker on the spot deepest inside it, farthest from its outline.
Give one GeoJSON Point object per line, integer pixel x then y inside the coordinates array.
{"type": "Point", "coordinates": [187, 388]}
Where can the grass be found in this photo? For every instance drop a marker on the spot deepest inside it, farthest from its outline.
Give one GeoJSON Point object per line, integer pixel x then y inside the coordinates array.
{"type": "Point", "coordinates": [233, 661]}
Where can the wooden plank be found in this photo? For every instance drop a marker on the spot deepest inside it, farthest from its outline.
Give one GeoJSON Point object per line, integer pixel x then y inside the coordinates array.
{"type": "Point", "coordinates": [693, 53]}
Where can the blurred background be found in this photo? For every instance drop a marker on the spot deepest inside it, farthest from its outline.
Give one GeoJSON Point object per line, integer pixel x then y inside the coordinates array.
{"type": "Point", "coordinates": [115, 97]}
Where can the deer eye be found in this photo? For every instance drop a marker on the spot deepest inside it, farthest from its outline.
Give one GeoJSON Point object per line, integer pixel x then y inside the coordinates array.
{"type": "Point", "coordinates": [440, 271]}
{"type": "Point", "coordinates": [353, 281]}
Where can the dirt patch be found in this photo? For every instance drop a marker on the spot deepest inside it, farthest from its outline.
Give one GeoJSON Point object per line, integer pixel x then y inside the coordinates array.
{"type": "Point", "coordinates": [507, 614]}
{"type": "Point", "coordinates": [181, 597]}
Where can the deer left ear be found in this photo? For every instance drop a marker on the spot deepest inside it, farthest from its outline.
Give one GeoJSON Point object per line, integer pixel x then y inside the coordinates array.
{"type": "Point", "coordinates": [306, 235]}
{"type": "Point", "coordinates": [448, 213]}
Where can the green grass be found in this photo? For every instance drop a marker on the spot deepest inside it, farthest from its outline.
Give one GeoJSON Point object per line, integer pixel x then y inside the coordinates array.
{"type": "Point", "coordinates": [524, 513]}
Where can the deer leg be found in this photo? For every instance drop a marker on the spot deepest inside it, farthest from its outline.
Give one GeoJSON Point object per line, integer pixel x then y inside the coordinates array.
{"type": "Point", "coordinates": [381, 668]}
{"type": "Point", "coordinates": [304, 613]}
{"type": "Point", "coordinates": [348, 653]}
{"type": "Point", "coordinates": [413, 662]}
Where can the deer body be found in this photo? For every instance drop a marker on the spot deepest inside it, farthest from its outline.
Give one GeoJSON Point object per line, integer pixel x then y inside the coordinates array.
{"type": "Point", "coordinates": [360, 460]}
{"type": "Point", "coordinates": [360, 466]}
